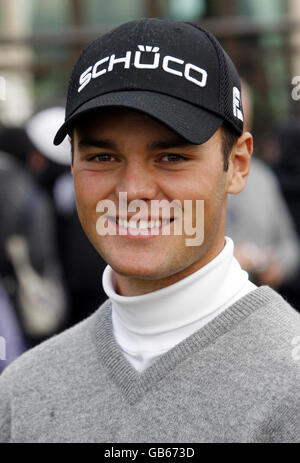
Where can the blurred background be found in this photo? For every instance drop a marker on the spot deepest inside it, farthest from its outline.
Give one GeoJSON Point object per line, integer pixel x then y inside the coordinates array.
{"type": "Point", "coordinates": [41, 40]}
{"type": "Point", "coordinates": [50, 276]}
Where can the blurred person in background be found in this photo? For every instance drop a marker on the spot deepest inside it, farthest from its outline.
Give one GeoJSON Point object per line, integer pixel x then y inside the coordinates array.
{"type": "Point", "coordinates": [287, 169]}
{"type": "Point", "coordinates": [29, 266]}
{"type": "Point", "coordinates": [30, 146]}
{"type": "Point", "coordinates": [259, 222]}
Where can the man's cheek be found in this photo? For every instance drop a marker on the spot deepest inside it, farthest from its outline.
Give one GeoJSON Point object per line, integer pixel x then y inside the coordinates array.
{"type": "Point", "coordinates": [85, 199]}
{"type": "Point", "coordinates": [87, 215]}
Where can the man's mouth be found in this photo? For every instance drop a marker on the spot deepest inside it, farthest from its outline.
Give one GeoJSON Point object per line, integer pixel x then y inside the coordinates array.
{"type": "Point", "coordinates": [141, 228]}
{"type": "Point", "coordinates": [143, 224]}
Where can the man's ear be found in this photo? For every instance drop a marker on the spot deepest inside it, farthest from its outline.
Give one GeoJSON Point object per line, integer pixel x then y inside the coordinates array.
{"type": "Point", "coordinates": [239, 163]}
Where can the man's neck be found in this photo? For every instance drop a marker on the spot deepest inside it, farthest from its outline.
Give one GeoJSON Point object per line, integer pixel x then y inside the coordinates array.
{"type": "Point", "coordinates": [134, 286]}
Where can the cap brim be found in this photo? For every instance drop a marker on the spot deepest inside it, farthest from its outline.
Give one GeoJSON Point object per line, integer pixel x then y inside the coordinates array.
{"type": "Point", "coordinates": [192, 122]}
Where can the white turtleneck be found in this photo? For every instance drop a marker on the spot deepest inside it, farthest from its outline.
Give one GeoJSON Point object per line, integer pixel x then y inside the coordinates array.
{"type": "Point", "coordinates": [149, 325]}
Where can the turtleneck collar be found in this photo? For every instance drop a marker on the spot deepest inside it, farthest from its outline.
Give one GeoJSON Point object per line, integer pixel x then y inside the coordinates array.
{"type": "Point", "coordinates": [183, 302]}
{"type": "Point", "coordinates": [148, 325]}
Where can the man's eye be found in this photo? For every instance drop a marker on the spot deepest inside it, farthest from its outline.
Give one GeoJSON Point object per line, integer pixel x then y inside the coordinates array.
{"type": "Point", "coordinates": [103, 157]}
{"type": "Point", "coordinates": [171, 157]}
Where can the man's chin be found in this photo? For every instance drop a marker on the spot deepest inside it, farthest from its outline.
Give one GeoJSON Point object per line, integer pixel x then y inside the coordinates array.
{"type": "Point", "coordinates": [143, 273]}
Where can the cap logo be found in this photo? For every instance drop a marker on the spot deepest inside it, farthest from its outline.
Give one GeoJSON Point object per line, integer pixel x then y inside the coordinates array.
{"type": "Point", "coordinates": [188, 71]}
{"type": "Point", "coordinates": [237, 104]}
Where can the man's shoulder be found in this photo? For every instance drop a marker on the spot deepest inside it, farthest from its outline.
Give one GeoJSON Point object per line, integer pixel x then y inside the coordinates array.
{"type": "Point", "coordinates": [272, 313]}
{"type": "Point", "coordinates": [54, 356]}
{"type": "Point", "coordinates": [271, 335]}
{"type": "Point", "coordinates": [273, 352]}
{"type": "Point", "coordinates": [265, 302]}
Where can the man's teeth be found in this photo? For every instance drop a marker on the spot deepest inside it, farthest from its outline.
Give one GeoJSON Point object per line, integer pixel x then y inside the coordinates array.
{"type": "Point", "coordinates": [140, 223]}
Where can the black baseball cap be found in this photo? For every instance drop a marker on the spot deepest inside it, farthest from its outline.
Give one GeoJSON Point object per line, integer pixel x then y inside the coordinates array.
{"type": "Point", "coordinates": [175, 72]}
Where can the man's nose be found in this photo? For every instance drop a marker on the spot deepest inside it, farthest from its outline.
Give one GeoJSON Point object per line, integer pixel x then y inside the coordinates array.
{"type": "Point", "coordinates": [138, 181]}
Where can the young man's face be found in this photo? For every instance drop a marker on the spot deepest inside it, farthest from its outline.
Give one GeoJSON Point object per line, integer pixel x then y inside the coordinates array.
{"type": "Point", "coordinates": [148, 161]}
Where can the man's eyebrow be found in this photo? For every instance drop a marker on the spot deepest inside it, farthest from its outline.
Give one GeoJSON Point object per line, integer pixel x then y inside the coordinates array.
{"type": "Point", "coordinates": [166, 144]}
{"type": "Point", "coordinates": [88, 142]}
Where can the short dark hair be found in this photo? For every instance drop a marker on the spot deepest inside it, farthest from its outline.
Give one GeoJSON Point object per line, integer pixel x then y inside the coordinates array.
{"type": "Point", "coordinates": [229, 138]}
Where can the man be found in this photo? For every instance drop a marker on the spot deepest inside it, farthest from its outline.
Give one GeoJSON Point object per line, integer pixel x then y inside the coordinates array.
{"type": "Point", "coordinates": [185, 349]}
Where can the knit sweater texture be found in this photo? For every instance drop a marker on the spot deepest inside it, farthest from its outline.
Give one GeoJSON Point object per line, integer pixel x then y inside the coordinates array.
{"type": "Point", "coordinates": [237, 379]}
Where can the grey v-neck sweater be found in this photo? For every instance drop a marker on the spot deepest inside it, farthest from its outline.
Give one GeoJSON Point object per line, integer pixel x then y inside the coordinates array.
{"type": "Point", "coordinates": [235, 380]}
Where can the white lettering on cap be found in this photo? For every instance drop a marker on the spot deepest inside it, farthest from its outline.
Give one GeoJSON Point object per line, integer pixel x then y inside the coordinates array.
{"type": "Point", "coordinates": [237, 104]}
{"type": "Point", "coordinates": [93, 72]}
{"type": "Point", "coordinates": [97, 73]}
{"type": "Point", "coordinates": [167, 68]}
{"type": "Point", "coordinates": [114, 61]}
{"type": "Point", "coordinates": [188, 68]}
{"type": "Point", "coordinates": [137, 57]}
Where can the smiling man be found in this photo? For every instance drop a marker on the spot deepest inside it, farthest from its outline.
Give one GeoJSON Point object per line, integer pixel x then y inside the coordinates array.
{"type": "Point", "coordinates": [120, 151]}
{"type": "Point", "coordinates": [185, 349]}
